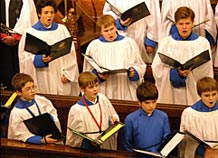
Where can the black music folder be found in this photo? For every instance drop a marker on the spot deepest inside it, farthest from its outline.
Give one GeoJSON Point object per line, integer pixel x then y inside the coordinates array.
{"type": "Point", "coordinates": [191, 63]}
{"type": "Point", "coordinates": [136, 13]}
{"type": "Point", "coordinates": [104, 134]}
{"type": "Point", "coordinates": [101, 69]}
{"type": "Point", "coordinates": [37, 46]}
{"type": "Point", "coordinates": [43, 125]}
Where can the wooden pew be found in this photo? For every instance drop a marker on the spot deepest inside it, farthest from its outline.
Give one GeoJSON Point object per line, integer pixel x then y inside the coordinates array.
{"type": "Point", "coordinates": [16, 149]}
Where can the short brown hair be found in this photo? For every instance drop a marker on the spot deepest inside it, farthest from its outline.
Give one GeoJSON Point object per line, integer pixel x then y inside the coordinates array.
{"type": "Point", "coordinates": [106, 20]}
{"type": "Point", "coordinates": [183, 13]}
{"type": "Point", "coordinates": [206, 84]}
{"type": "Point", "coordinates": [87, 78]}
{"type": "Point", "coordinates": [19, 80]}
{"type": "Point", "coordinates": [147, 91]}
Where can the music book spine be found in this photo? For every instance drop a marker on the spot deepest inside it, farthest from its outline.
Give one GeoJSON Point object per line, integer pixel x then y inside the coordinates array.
{"type": "Point", "coordinates": [111, 132]}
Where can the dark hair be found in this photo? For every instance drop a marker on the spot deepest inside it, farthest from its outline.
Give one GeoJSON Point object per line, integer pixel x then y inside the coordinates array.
{"type": "Point", "coordinates": [43, 3]}
{"type": "Point", "coordinates": [206, 84]}
{"type": "Point", "coordinates": [87, 78]}
{"type": "Point", "coordinates": [146, 91]}
{"type": "Point", "coordinates": [183, 13]}
{"type": "Point", "coordinates": [19, 80]}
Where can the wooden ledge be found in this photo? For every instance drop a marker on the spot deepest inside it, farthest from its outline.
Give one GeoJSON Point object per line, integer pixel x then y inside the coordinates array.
{"type": "Point", "coordinates": [16, 149]}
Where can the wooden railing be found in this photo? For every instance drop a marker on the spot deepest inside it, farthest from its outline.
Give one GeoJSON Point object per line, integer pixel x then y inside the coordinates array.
{"type": "Point", "coordinates": [16, 149]}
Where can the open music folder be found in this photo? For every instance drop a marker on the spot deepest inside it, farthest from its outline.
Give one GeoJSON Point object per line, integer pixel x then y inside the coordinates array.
{"type": "Point", "coordinates": [193, 63]}
{"type": "Point", "coordinates": [164, 152]}
{"type": "Point", "coordinates": [101, 69]}
{"type": "Point", "coordinates": [104, 135]}
{"type": "Point", "coordinates": [36, 46]}
{"type": "Point", "coordinates": [136, 13]}
{"type": "Point", "coordinates": [211, 143]}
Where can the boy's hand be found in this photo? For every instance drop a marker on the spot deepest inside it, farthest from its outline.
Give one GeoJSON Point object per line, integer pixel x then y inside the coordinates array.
{"type": "Point", "coordinates": [131, 72]}
{"type": "Point", "coordinates": [113, 120]}
{"type": "Point", "coordinates": [183, 73]}
{"type": "Point", "coordinates": [103, 76]}
{"type": "Point", "coordinates": [46, 59]}
{"type": "Point", "coordinates": [64, 79]}
{"type": "Point", "coordinates": [48, 140]}
{"type": "Point", "coordinates": [149, 49]}
{"type": "Point", "coordinates": [126, 22]}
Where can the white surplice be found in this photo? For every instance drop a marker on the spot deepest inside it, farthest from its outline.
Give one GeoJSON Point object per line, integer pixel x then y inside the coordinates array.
{"type": "Point", "coordinates": [203, 125]}
{"type": "Point", "coordinates": [116, 55]}
{"type": "Point", "coordinates": [48, 79]}
{"type": "Point", "coordinates": [216, 54]}
{"type": "Point", "coordinates": [81, 120]}
{"type": "Point", "coordinates": [146, 27]}
{"type": "Point", "coordinates": [28, 16]}
{"type": "Point", "coordinates": [18, 130]}
{"type": "Point", "coordinates": [182, 51]}
{"type": "Point", "coordinates": [202, 9]}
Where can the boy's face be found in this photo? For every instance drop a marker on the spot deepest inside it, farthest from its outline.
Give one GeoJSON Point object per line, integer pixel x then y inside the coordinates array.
{"type": "Point", "coordinates": [109, 33]}
{"type": "Point", "coordinates": [47, 16]}
{"type": "Point", "coordinates": [184, 27]}
{"type": "Point", "coordinates": [27, 92]}
{"type": "Point", "coordinates": [148, 106]}
{"type": "Point", "coordinates": [91, 91]}
{"type": "Point", "coordinates": [209, 98]}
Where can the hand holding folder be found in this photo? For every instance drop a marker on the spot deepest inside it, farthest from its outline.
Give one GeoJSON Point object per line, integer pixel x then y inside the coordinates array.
{"type": "Point", "coordinates": [104, 134]}
{"type": "Point", "coordinates": [192, 63]}
{"type": "Point", "coordinates": [36, 46]}
{"type": "Point", "coordinates": [136, 13]}
{"type": "Point", "coordinates": [43, 125]}
{"type": "Point", "coordinates": [101, 69]}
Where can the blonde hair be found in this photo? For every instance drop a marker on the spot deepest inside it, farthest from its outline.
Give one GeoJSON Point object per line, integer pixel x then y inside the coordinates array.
{"type": "Point", "coordinates": [106, 20]}
{"type": "Point", "coordinates": [87, 78]}
{"type": "Point", "coordinates": [206, 84]}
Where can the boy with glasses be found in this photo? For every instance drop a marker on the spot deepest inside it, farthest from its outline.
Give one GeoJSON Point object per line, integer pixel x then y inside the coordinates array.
{"type": "Point", "coordinates": [29, 105]}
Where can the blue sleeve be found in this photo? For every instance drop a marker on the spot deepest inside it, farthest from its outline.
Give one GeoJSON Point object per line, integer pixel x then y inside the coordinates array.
{"type": "Point", "coordinates": [38, 62]}
{"type": "Point", "coordinates": [210, 38]}
{"type": "Point", "coordinates": [119, 26]}
{"type": "Point", "coordinates": [127, 142]}
{"type": "Point", "coordinates": [135, 77]}
{"type": "Point", "coordinates": [200, 151]}
{"type": "Point", "coordinates": [176, 80]}
{"type": "Point", "coordinates": [96, 73]}
{"type": "Point", "coordinates": [149, 42]}
{"type": "Point", "coordinates": [167, 131]}
{"type": "Point", "coordinates": [173, 29]}
{"type": "Point", "coordinates": [34, 140]}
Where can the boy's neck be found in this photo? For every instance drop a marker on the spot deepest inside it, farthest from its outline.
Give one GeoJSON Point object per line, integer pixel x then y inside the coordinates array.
{"type": "Point", "coordinates": [27, 100]}
{"type": "Point", "coordinates": [92, 100]}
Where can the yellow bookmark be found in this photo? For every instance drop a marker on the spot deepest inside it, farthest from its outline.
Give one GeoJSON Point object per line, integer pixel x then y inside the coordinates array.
{"type": "Point", "coordinates": [10, 100]}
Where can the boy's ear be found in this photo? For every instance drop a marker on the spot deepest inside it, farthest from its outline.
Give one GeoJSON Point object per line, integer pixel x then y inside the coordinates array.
{"type": "Point", "coordinates": [140, 104]}
{"type": "Point", "coordinates": [82, 89]}
{"type": "Point", "coordinates": [18, 92]}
